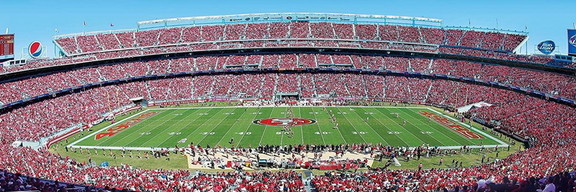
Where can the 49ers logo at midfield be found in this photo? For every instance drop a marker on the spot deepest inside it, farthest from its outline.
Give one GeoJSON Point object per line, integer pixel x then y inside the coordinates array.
{"type": "Point", "coordinates": [284, 121]}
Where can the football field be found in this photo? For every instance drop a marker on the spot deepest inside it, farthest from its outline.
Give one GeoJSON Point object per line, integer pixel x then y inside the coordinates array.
{"type": "Point", "coordinates": [253, 126]}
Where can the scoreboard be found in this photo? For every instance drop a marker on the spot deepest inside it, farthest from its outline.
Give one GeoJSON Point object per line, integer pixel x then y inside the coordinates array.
{"type": "Point", "coordinates": [7, 46]}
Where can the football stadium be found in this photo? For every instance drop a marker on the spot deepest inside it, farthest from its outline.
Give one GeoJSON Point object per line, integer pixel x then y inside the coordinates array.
{"type": "Point", "coordinates": [293, 101]}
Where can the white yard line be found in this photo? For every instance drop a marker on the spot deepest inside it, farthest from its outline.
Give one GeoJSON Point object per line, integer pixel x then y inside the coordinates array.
{"type": "Point", "coordinates": [264, 131]}
{"type": "Point", "coordinates": [432, 128]}
{"type": "Point", "coordinates": [319, 129]}
{"type": "Point", "coordinates": [248, 127]}
{"type": "Point", "coordinates": [301, 128]}
{"type": "Point", "coordinates": [357, 131]}
{"type": "Point", "coordinates": [158, 126]}
{"type": "Point", "coordinates": [216, 126]}
{"type": "Point", "coordinates": [230, 128]}
{"type": "Point", "coordinates": [404, 129]}
{"type": "Point", "coordinates": [384, 125]}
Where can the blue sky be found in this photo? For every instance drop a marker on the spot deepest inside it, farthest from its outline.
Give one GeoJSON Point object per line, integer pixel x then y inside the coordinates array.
{"type": "Point", "coordinates": [35, 20]}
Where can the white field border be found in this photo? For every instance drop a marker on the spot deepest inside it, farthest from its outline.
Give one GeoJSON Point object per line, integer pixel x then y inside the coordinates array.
{"type": "Point", "coordinates": [73, 144]}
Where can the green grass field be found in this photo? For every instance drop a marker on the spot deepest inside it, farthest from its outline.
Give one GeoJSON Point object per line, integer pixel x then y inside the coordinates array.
{"type": "Point", "coordinates": [217, 126]}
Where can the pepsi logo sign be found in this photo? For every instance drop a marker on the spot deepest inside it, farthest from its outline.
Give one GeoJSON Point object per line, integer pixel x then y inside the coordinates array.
{"type": "Point", "coordinates": [35, 49]}
{"type": "Point", "coordinates": [284, 121]}
{"type": "Point", "coordinates": [546, 47]}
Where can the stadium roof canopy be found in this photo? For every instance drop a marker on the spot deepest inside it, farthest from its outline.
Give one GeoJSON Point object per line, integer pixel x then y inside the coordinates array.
{"type": "Point", "coordinates": [287, 17]}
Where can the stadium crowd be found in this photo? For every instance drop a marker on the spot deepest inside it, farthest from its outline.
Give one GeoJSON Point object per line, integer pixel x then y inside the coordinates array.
{"type": "Point", "coordinates": [554, 151]}
{"type": "Point", "coordinates": [92, 43]}
{"type": "Point", "coordinates": [442, 92]}
{"type": "Point", "coordinates": [549, 126]}
{"type": "Point", "coordinates": [550, 83]}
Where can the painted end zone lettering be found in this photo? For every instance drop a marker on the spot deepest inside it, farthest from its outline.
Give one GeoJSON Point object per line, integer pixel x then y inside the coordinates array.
{"type": "Point", "coordinates": [452, 125]}
{"type": "Point", "coordinates": [112, 131]}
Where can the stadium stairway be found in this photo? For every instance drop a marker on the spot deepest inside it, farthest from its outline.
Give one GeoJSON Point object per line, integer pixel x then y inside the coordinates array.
{"type": "Point", "coordinates": [307, 180]}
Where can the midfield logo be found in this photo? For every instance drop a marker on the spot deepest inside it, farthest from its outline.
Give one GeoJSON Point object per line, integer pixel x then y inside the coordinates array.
{"type": "Point", "coordinates": [284, 121]}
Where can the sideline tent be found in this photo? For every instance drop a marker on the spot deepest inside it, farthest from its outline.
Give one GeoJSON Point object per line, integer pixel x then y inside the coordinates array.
{"type": "Point", "coordinates": [467, 108]}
